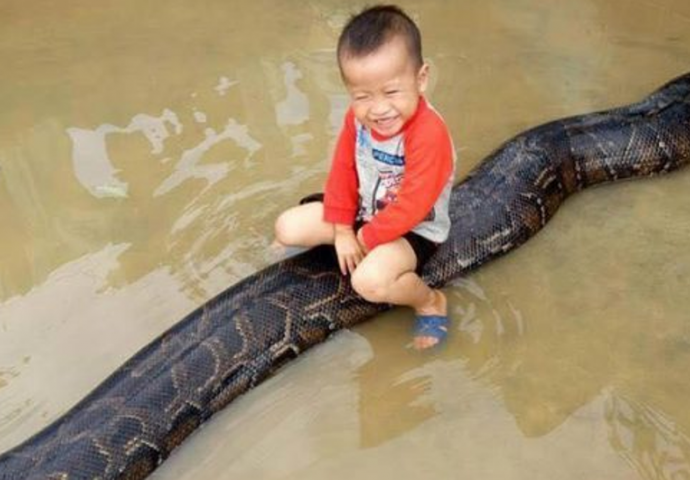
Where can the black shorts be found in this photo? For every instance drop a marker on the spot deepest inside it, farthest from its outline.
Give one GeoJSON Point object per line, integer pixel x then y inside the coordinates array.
{"type": "Point", "coordinates": [423, 248]}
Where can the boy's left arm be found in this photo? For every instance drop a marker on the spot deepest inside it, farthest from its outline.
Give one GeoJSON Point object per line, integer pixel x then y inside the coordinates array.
{"type": "Point", "coordinates": [428, 167]}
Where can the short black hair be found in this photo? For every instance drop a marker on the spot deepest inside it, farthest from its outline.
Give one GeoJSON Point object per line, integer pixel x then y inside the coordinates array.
{"type": "Point", "coordinates": [370, 29]}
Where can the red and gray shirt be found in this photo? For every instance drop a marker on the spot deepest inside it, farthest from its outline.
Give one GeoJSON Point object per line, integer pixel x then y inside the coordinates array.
{"type": "Point", "coordinates": [395, 184]}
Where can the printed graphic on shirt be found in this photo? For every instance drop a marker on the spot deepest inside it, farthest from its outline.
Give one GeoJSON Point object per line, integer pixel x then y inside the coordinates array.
{"type": "Point", "coordinates": [386, 189]}
{"type": "Point", "coordinates": [385, 192]}
{"type": "Point", "coordinates": [388, 158]}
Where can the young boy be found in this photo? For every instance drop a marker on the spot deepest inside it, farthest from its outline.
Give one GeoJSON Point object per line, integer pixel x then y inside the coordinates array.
{"type": "Point", "coordinates": [385, 205]}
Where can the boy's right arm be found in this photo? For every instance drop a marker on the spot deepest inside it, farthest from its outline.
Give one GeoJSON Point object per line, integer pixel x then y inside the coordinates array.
{"type": "Point", "coordinates": [341, 198]}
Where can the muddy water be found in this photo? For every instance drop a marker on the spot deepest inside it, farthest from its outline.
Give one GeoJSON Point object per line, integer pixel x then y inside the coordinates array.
{"type": "Point", "coordinates": [145, 151]}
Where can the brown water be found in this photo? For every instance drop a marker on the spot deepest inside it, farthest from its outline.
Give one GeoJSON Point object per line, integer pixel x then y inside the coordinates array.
{"type": "Point", "coordinates": [145, 150]}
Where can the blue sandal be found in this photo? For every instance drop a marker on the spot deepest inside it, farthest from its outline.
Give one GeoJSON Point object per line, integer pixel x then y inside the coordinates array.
{"type": "Point", "coordinates": [434, 326]}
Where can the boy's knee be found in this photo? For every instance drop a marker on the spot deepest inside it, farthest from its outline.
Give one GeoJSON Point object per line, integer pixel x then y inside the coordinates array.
{"type": "Point", "coordinates": [369, 286]}
{"type": "Point", "coordinates": [284, 231]}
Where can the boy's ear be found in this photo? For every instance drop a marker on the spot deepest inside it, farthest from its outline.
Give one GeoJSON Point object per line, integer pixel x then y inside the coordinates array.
{"type": "Point", "coordinates": [423, 77]}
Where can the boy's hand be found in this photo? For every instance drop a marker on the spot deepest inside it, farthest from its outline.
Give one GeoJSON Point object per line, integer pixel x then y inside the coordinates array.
{"type": "Point", "coordinates": [347, 248]}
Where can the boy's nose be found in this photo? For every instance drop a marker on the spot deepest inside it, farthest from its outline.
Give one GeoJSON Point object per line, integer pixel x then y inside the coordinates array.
{"type": "Point", "coordinates": [380, 107]}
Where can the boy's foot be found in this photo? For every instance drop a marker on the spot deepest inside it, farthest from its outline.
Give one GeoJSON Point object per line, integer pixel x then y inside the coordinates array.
{"type": "Point", "coordinates": [431, 323]}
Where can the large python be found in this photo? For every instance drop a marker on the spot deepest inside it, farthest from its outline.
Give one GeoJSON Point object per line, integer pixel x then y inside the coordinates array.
{"type": "Point", "coordinates": [130, 423]}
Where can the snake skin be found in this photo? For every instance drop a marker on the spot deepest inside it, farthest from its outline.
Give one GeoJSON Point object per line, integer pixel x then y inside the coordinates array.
{"type": "Point", "coordinates": [130, 423]}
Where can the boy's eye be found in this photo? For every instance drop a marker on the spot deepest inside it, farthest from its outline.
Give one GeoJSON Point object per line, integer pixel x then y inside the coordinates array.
{"type": "Point", "coordinates": [392, 92]}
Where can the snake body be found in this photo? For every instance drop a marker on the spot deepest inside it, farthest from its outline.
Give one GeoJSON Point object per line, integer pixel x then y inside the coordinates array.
{"type": "Point", "coordinates": [132, 421]}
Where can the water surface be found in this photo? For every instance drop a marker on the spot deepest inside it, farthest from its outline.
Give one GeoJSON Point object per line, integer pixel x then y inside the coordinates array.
{"type": "Point", "coordinates": [145, 151]}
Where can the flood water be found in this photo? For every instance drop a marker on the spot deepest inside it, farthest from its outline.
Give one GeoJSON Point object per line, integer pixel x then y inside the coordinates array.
{"type": "Point", "coordinates": [147, 147]}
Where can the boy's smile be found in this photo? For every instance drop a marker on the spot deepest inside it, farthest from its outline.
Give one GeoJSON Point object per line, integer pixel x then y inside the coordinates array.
{"type": "Point", "coordinates": [384, 86]}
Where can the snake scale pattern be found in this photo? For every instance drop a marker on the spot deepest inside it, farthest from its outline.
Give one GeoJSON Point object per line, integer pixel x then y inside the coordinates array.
{"type": "Point", "coordinates": [130, 423]}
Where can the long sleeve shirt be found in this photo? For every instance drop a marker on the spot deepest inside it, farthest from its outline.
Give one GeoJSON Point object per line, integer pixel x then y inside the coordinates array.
{"type": "Point", "coordinates": [393, 184]}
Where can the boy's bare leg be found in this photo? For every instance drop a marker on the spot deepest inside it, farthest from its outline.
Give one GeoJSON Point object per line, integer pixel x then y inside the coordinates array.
{"type": "Point", "coordinates": [387, 275]}
{"type": "Point", "coordinates": [302, 226]}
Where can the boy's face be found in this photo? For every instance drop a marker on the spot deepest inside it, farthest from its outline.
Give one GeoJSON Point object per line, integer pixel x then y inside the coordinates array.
{"type": "Point", "coordinates": [384, 86]}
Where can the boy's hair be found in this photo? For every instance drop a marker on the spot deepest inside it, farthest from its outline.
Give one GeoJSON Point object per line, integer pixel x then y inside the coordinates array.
{"type": "Point", "coordinates": [370, 29]}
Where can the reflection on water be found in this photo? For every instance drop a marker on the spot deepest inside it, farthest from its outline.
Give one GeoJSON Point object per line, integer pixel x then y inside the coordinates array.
{"type": "Point", "coordinates": [145, 151]}
{"type": "Point", "coordinates": [294, 110]}
{"type": "Point", "coordinates": [93, 168]}
{"type": "Point", "coordinates": [649, 440]}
